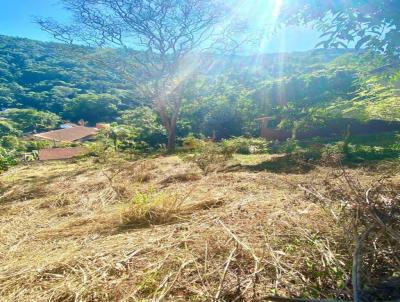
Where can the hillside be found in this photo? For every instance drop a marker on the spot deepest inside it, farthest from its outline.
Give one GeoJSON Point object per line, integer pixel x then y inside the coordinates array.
{"type": "Point", "coordinates": [71, 231]}
{"type": "Point", "coordinates": [159, 153]}
{"type": "Point", "coordinates": [224, 98]}
{"type": "Point", "coordinates": [44, 75]}
{"type": "Point", "coordinates": [227, 216]}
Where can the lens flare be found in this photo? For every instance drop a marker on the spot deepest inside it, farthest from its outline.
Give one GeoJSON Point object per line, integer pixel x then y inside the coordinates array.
{"type": "Point", "coordinates": [261, 20]}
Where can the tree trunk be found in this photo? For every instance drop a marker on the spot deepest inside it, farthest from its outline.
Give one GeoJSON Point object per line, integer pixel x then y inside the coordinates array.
{"type": "Point", "coordinates": [171, 140]}
{"type": "Point", "coordinates": [169, 121]}
{"type": "Point", "coordinates": [172, 135]}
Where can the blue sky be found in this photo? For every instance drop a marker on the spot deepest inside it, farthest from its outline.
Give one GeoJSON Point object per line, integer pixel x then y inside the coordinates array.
{"type": "Point", "coordinates": [16, 17]}
{"type": "Point", "coordinates": [16, 20]}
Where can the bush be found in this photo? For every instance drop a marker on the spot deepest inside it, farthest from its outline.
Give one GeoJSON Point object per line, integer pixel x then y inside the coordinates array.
{"type": "Point", "coordinates": [30, 146]}
{"type": "Point", "coordinates": [191, 143]}
{"type": "Point", "coordinates": [8, 128]}
{"type": "Point", "coordinates": [151, 208]}
{"type": "Point", "coordinates": [360, 153]}
{"type": "Point", "coordinates": [100, 150]}
{"type": "Point", "coordinates": [7, 159]}
{"type": "Point", "coordinates": [243, 145]}
{"type": "Point", "coordinates": [210, 156]}
{"type": "Point", "coordinates": [10, 142]}
{"type": "Point", "coordinates": [150, 133]}
{"type": "Point", "coordinates": [289, 146]}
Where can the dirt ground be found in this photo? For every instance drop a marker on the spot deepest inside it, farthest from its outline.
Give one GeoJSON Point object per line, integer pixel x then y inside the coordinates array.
{"type": "Point", "coordinates": [72, 231]}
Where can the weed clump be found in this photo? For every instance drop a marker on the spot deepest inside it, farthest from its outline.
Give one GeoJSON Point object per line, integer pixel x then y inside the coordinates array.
{"type": "Point", "coordinates": [210, 157]}
{"type": "Point", "coordinates": [244, 145]}
{"type": "Point", "coordinates": [151, 208]}
{"type": "Point", "coordinates": [7, 159]}
{"type": "Point", "coordinates": [207, 155]}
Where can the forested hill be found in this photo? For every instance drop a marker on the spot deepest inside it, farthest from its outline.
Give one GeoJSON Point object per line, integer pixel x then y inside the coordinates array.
{"type": "Point", "coordinates": [68, 80]}
{"type": "Point", "coordinates": [45, 76]}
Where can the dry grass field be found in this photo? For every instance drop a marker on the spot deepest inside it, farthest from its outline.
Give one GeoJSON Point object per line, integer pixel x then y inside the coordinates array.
{"type": "Point", "coordinates": [160, 230]}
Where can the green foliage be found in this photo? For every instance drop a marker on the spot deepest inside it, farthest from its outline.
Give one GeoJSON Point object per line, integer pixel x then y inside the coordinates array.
{"type": "Point", "coordinates": [371, 24]}
{"type": "Point", "coordinates": [209, 156]}
{"type": "Point", "coordinates": [7, 128]}
{"type": "Point", "coordinates": [374, 147]}
{"type": "Point", "coordinates": [191, 143]}
{"type": "Point", "coordinates": [10, 142]}
{"type": "Point", "coordinates": [27, 120]}
{"type": "Point", "coordinates": [101, 150]}
{"type": "Point", "coordinates": [289, 146]}
{"type": "Point", "coordinates": [7, 159]}
{"type": "Point", "coordinates": [244, 145]}
{"type": "Point", "coordinates": [119, 137]}
{"type": "Point", "coordinates": [14, 149]}
{"type": "Point", "coordinates": [299, 91]}
{"type": "Point", "coordinates": [149, 131]}
{"type": "Point", "coordinates": [92, 108]}
{"type": "Point", "coordinates": [46, 76]}
{"type": "Point", "coordinates": [35, 145]}
{"type": "Point", "coordinates": [350, 149]}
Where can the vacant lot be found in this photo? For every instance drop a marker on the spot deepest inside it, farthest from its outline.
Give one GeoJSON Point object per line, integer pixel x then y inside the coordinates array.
{"type": "Point", "coordinates": [160, 230]}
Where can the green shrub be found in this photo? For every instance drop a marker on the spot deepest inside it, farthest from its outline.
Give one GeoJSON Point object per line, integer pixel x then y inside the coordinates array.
{"type": "Point", "coordinates": [244, 145]}
{"type": "Point", "coordinates": [149, 131]}
{"type": "Point", "coordinates": [30, 146]}
{"type": "Point", "coordinates": [8, 128]}
{"type": "Point", "coordinates": [7, 159]}
{"type": "Point", "coordinates": [210, 156]}
{"type": "Point", "coordinates": [10, 142]}
{"type": "Point", "coordinates": [100, 150]}
{"type": "Point", "coordinates": [289, 146]}
{"type": "Point", "coordinates": [358, 153]}
{"type": "Point", "coordinates": [151, 208]}
{"type": "Point", "coordinates": [191, 143]}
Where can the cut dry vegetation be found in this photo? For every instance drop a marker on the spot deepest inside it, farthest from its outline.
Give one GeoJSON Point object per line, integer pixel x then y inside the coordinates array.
{"type": "Point", "coordinates": [161, 230]}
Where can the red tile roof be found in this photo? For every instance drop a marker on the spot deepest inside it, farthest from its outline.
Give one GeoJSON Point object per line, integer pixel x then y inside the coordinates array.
{"type": "Point", "coordinates": [68, 135]}
{"type": "Point", "coordinates": [60, 153]}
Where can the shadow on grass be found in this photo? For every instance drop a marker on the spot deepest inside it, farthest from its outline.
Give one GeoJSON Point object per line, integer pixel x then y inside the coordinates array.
{"type": "Point", "coordinates": [387, 165]}
{"type": "Point", "coordinates": [360, 157]}
{"type": "Point", "coordinates": [282, 164]}
{"type": "Point", "coordinates": [34, 185]}
{"type": "Point", "coordinates": [164, 218]}
{"type": "Point", "coordinates": [148, 223]}
{"type": "Point", "coordinates": [132, 226]}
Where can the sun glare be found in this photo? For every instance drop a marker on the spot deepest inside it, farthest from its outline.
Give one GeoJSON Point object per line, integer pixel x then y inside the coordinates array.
{"type": "Point", "coordinates": [261, 17]}
{"type": "Point", "coordinates": [277, 9]}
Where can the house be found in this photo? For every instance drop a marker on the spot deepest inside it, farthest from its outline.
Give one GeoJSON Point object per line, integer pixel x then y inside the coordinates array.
{"type": "Point", "coordinates": [60, 153]}
{"type": "Point", "coordinates": [71, 134]}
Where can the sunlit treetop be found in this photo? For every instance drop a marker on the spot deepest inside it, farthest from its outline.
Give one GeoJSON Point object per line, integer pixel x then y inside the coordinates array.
{"type": "Point", "coordinates": [370, 24]}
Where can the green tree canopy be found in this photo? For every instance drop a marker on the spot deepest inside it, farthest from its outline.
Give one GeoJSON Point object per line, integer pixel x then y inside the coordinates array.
{"type": "Point", "coordinates": [7, 128]}
{"type": "Point", "coordinates": [92, 108]}
{"type": "Point", "coordinates": [372, 24]}
{"type": "Point", "coordinates": [149, 129]}
{"type": "Point", "coordinates": [27, 120]}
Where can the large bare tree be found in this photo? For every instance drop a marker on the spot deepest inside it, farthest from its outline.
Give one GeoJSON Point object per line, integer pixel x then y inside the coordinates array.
{"type": "Point", "coordinates": [163, 39]}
